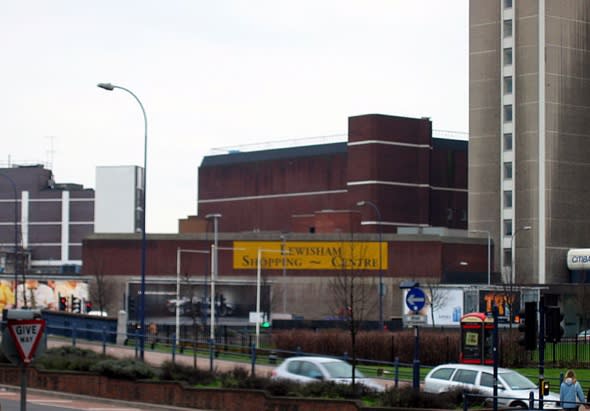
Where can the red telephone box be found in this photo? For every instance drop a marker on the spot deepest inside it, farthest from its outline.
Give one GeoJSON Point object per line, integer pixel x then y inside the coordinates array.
{"type": "Point", "coordinates": [476, 339]}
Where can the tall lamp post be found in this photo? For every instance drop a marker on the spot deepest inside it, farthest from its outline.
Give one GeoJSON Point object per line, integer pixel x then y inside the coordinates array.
{"type": "Point", "coordinates": [513, 259]}
{"type": "Point", "coordinates": [13, 184]}
{"type": "Point", "coordinates": [370, 203]}
{"type": "Point", "coordinates": [214, 271]}
{"type": "Point", "coordinates": [111, 87]}
{"type": "Point", "coordinates": [489, 253]}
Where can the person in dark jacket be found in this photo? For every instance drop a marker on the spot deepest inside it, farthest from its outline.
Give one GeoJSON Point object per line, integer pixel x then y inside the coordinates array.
{"type": "Point", "coordinates": [570, 392]}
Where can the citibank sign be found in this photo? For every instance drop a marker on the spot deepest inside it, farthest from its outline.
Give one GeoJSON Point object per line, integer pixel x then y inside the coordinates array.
{"type": "Point", "coordinates": [578, 259]}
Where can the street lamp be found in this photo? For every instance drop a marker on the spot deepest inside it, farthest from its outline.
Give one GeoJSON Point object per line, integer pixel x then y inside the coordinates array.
{"type": "Point", "coordinates": [370, 203]}
{"type": "Point", "coordinates": [13, 184]}
{"type": "Point", "coordinates": [489, 254]}
{"type": "Point", "coordinates": [111, 87]}
{"type": "Point", "coordinates": [513, 259]}
{"type": "Point", "coordinates": [214, 271]}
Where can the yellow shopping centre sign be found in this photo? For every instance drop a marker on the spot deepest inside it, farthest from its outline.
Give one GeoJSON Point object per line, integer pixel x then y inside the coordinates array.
{"type": "Point", "coordinates": [310, 255]}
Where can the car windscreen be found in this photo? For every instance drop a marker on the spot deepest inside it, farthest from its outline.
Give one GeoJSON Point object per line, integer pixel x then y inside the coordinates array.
{"type": "Point", "coordinates": [339, 369]}
{"type": "Point", "coordinates": [515, 381]}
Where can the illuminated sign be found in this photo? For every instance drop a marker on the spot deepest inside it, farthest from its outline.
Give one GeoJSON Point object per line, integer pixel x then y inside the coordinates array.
{"type": "Point", "coordinates": [306, 255]}
{"type": "Point", "coordinates": [578, 259]}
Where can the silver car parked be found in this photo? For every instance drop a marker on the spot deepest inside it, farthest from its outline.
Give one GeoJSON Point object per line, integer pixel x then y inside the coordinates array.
{"type": "Point", "coordinates": [308, 369]}
{"type": "Point", "coordinates": [513, 388]}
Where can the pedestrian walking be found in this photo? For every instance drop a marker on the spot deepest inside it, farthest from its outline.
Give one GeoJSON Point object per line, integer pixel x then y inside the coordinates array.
{"type": "Point", "coordinates": [570, 392]}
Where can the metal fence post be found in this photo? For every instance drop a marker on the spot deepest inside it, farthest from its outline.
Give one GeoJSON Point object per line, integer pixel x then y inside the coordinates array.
{"type": "Point", "coordinates": [211, 353]}
{"type": "Point", "coordinates": [104, 340]}
{"type": "Point", "coordinates": [253, 359]}
{"type": "Point", "coordinates": [396, 372]}
{"type": "Point", "coordinates": [174, 348]}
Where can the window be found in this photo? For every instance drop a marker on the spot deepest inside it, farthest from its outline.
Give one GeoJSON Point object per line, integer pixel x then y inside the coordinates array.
{"type": "Point", "coordinates": [508, 170]}
{"type": "Point", "coordinates": [508, 257]}
{"type": "Point", "coordinates": [508, 142]}
{"type": "Point", "coordinates": [507, 4]}
{"type": "Point", "coordinates": [508, 199]}
{"type": "Point", "coordinates": [465, 376]}
{"type": "Point", "coordinates": [293, 367]}
{"type": "Point", "coordinates": [507, 227]}
{"type": "Point", "coordinates": [443, 374]}
{"type": "Point", "coordinates": [310, 370]}
{"type": "Point", "coordinates": [486, 380]}
{"type": "Point", "coordinates": [508, 85]}
{"type": "Point", "coordinates": [507, 56]}
{"type": "Point", "coordinates": [508, 113]}
{"type": "Point", "coordinates": [507, 28]}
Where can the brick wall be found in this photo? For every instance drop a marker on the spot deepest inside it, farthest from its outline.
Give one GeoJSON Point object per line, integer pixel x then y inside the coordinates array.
{"type": "Point", "coordinates": [168, 393]}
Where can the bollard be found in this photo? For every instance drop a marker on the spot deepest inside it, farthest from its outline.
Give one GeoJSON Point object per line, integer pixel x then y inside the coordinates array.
{"type": "Point", "coordinates": [531, 400]}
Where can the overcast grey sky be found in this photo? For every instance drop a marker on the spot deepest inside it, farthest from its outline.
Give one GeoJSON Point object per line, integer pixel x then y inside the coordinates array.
{"type": "Point", "coordinates": [218, 73]}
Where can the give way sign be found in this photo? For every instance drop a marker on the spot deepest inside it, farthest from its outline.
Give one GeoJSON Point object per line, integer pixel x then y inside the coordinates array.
{"type": "Point", "coordinates": [26, 335]}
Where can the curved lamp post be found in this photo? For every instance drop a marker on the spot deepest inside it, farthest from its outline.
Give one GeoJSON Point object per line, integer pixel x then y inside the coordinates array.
{"type": "Point", "coordinates": [111, 87]}
{"type": "Point", "coordinates": [13, 184]}
{"type": "Point", "coordinates": [370, 203]}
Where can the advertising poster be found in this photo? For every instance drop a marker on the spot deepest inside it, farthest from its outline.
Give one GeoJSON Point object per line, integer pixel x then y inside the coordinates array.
{"type": "Point", "coordinates": [41, 294]}
{"type": "Point", "coordinates": [445, 304]}
{"type": "Point", "coordinates": [508, 304]}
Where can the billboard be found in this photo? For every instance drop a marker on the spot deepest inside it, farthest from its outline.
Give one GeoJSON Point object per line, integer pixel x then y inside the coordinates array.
{"type": "Point", "coordinates": [310, 255]}
{"type": "Point", "coordinates": [444, 306]}
{"type": "Point", "coordinates": [41, 294]}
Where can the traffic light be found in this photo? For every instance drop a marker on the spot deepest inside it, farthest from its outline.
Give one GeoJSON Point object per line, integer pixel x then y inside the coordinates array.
{"type": "Point", "coordinates": [87, 306]}
{"type": "Point", "coordinates": [553, 319]}
{"type": "Point", "coordinates": [265, 324]}
{"type": "Point", "coordinates": [546, 387]}
{"type": "Point", "coordinates": [528, 326]}
{"type": "Point", "coordinates": [76, 305]}
{"type": "Point", "coordinates": [63, 304]}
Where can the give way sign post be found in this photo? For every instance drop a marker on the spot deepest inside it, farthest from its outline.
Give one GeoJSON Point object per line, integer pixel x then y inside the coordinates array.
{"type": "Point", "coordinates": [26, 335]}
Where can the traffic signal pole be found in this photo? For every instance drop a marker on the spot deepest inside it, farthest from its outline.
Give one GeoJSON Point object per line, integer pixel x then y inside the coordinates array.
{"type": "Point", "coordinates": [541, 351]}
{"type": "Point", "coordinates": [495, 356]}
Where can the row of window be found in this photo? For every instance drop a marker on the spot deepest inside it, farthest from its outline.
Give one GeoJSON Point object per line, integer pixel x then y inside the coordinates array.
{"type": "Point", "coordinates": [508, 143]}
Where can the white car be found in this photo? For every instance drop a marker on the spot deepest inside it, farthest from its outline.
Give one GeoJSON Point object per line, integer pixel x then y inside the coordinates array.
{"type": "Point", "coordinates": [309, 369]}
{"type": "Point", "coordinates": [513, 388]}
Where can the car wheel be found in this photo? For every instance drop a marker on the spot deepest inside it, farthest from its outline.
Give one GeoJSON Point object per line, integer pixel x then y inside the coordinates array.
{"type": "Point", "coordinates": [520, 405]}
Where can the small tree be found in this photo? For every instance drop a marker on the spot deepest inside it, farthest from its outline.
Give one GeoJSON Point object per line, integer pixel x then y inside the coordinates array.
{"type": "Point", "coordinates": [438, 297]}
{"type": "Point", "coordinates": [353, 296]}
{"type": "Point", "coordinates": [102, 289]}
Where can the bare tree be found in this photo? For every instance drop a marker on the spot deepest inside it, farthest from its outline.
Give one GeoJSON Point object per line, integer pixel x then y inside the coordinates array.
{"type": "Point", "coordinates": [353, 296]}
{"type": "Point", "coordinates": [437, 297]}
{"type": "Point", "coordinates": [102, 289]}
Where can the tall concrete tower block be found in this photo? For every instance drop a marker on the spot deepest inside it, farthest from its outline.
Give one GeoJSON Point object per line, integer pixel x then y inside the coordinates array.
{"type": "Point", "coordinates": [529, 127]}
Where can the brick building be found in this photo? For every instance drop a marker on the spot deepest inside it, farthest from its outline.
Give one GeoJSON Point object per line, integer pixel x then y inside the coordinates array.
{"type": "Point", "coordinates": [306, 198]}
